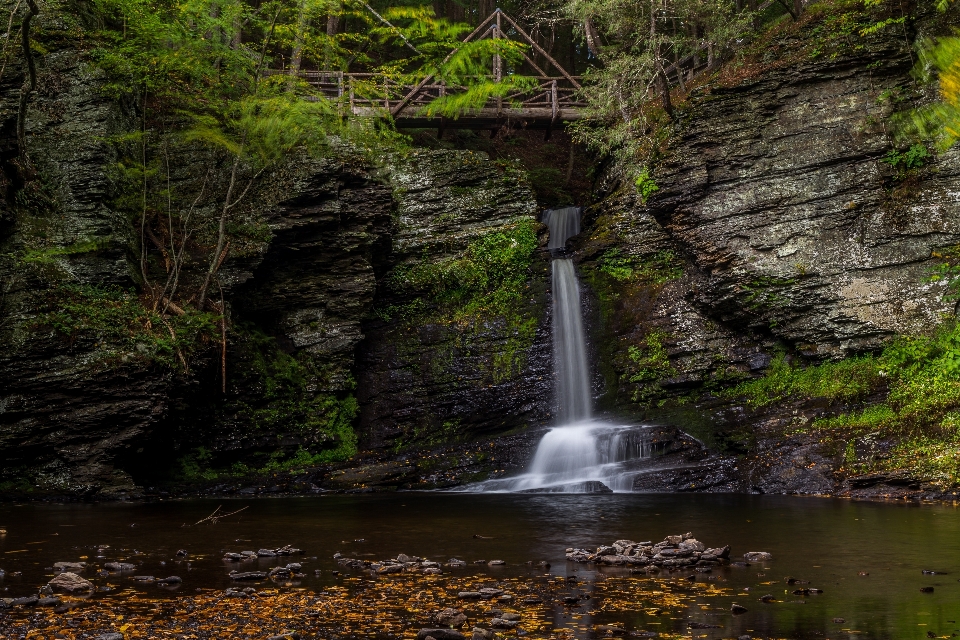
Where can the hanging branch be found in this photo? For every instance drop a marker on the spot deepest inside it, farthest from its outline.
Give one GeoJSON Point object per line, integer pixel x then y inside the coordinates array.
{"type": "Point", "coordinates": [220, 253]}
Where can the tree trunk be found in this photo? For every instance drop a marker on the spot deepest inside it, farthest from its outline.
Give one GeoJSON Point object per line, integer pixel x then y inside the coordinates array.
{"type": "Point", "coordinates": [790, 8]}
{"type": "Point", "coordinates": [593, 38]}
{"type": "Point", "coordinates": [664, 90]}
{"type": "Point", "coordinates": [659, 76]}
{"type": "Point", "coordinates": [329, 52]}
{"type": "Point", "coordinates": [296, 55]}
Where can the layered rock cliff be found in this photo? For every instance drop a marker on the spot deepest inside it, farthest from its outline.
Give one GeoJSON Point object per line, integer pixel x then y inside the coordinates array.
{"type": "Point", "coordinates": [784, 226]}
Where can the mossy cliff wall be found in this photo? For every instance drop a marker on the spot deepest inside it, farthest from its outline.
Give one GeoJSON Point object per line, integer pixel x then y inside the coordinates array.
{"type": "Point", "coordinates": [458, 345]}
{"type": "Point", "coordinates": [100, 395]}
{"type": "Point", "coordinates": [782, 225]}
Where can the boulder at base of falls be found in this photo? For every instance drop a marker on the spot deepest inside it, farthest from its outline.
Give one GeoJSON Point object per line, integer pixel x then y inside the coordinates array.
{"type": "Point", "coordinates": [757, 556]}
{"type": "Point", "coordinates": [588, 486]}
{"type": "Point", "coordinates": [69, 583]}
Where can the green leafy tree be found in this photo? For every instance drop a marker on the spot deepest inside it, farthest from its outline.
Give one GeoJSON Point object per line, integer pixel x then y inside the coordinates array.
{"type": "Point", "coordinates": [629, 94]}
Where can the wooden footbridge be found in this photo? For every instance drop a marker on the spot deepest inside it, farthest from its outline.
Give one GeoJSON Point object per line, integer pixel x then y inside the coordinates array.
{"type": "Point", "coordinates": [550, 103]}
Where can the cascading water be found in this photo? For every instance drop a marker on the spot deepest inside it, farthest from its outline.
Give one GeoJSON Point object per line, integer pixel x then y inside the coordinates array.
{"type": "Point", "coordinates": [569, 345]}
{"type": "Point", "coordinates": [580, 454]}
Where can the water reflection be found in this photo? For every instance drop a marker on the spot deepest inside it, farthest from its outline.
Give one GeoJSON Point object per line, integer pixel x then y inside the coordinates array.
{"type": "Point", "coordinates": [828, 542]}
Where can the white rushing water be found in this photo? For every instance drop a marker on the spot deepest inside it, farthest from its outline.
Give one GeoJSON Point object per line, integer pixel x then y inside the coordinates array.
{"type": "Point", "coordinates": [563, 224]}
{"type": "Point", "coordinates": [580, 454]}
{"type": "Point", "coordinates": [569, 345]}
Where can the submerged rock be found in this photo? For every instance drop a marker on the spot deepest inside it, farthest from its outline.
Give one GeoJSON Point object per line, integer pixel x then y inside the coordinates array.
{"type": "Point", "coordinates": [247, 575]}
{"type": "Point", "coordinates": [589, 486]}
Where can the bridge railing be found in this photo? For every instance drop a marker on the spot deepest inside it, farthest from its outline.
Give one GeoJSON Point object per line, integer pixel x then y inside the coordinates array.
{"type": "Point", "coordinates": [553, 97]}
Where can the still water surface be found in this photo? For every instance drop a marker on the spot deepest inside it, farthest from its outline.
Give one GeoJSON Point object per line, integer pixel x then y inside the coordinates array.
{"type": "Point", "coordinates": [828, 542]}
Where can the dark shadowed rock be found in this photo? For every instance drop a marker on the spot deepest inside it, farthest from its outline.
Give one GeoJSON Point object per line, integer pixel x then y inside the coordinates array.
{"type": "Point", "coordinates": [452, 618]}
{"type": "Point", "coordinates": [440, 634]}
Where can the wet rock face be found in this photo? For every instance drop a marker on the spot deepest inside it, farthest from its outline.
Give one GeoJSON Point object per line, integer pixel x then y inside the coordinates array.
{"type": "Point", "coordinates": [776, 225]}
{"type": "Point", "coordinates": [305, 300]}
{"type": "Point", "coordinates": [793, 224]}
{"type": "Point", "coordinates": [317, 279]}
{"type": "Point", "coordinates": [66, 407]}
{"type": "Point", "coordinates": [430, 378]}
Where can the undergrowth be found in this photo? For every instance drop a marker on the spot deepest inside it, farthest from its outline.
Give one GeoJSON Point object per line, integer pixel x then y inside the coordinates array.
{"type": "Point", "coordinates": [918, 381]}
{"type": "Point", "coordinates": [124, 327]}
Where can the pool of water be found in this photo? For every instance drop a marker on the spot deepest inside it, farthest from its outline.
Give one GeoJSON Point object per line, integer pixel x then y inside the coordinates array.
{"type": "Point", "coordinates": [829, 542]}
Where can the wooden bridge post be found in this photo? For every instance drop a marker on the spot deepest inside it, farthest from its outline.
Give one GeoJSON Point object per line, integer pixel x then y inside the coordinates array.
{"type": "Point", "coordinates": [443, 121]}
{"type": "Point", "coordinates": [554, 107]}
{"type": "Point", "coordinates": [498, 63]}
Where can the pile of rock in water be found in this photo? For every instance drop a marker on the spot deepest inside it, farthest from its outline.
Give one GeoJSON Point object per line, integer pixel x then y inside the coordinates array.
{"type": "Point", "coordinates": [673, 551]}
{"type": "Point", "coordinates": [288, 572]}
{"type": "Point", "coordinates": [401, 564]}
{"type": "Point", "coordinates": [453, 619]}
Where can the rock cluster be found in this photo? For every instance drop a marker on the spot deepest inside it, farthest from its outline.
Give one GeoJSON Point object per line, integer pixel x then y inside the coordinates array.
{"type": "Point", "coordinates": [401, 564]}
{"type": "Point", "coordinates": [674, 551]}
{"type": "Point", "coordinates": [453, 619]}
{"type": "Point", "coordinates": [286, 550]}
{"type": "Point", "coordinates": [70, 582]}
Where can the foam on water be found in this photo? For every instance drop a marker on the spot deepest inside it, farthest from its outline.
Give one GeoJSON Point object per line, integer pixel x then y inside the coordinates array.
{"type": "Point", "coordinates": [574, 458]}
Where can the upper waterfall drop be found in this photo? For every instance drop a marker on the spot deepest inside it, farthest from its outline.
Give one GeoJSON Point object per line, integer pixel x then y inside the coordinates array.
{"type": "Point", "coordinates": [563, 224]}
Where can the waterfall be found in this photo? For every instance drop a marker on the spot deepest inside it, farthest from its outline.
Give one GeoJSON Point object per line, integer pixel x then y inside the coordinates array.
{"type": "Point", "coordinates": [563, 224]}
{"type": "Point", "coordinates": [569, 345]}
{"type": "Point", "coordinates": [580, 454]}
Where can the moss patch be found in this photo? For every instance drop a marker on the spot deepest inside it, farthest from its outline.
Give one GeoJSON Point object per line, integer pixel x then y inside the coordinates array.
{"type": "Point", "coordinates": [487, 285]}
{"type": "Point", "coordinates": [918, 382]}
{"type": "Point", "coordinates": [124, 327]}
